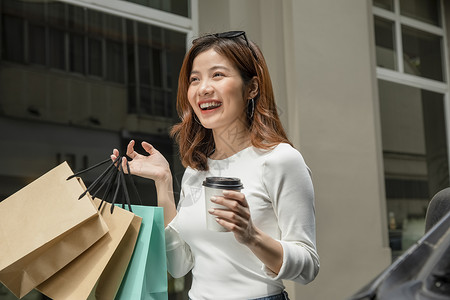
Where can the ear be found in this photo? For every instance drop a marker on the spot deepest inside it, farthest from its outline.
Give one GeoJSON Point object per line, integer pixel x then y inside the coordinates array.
{"type": "Point", "coordinates": [253, 87]}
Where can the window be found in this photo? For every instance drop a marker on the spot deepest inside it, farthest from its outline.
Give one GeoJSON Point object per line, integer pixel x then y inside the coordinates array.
{"type": "Point", "coordinates": [153, 68]}
{"type": "Point", "coordinates": [178, 7]}
{"type": "Point", "coordinates": [409, 37]}
{"type": "Point", "coordinates": [78, 40]}
{"type": "Point", "coordinates": [412, 92]}
{"type": "Point", "coordinates": [95, 43]}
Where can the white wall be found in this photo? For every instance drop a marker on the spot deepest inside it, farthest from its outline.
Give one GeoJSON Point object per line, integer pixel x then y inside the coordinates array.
{"type": "Point", "coordinates": [321, 58]}
{"type": "Point", "coordinates": [339, 134]}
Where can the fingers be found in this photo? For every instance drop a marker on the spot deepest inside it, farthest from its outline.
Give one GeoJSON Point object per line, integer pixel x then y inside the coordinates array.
{"type": "Point", "coordinates": [148, 148]}
{"type": "Point", "coordinates": [114, 155]}
{"type": "Point", "coordinates": [238, 196]}
{"type": "Point", "coordinates": [233, 206]}
{"type": "Point", "coordinates": [130, 149]}
{"type": "Point", "coordinates": [124, 165]}
{"type": "Point", "coordinates": [229, 216]}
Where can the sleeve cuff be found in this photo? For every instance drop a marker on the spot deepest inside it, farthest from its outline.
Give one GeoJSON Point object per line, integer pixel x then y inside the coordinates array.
{"type": "Point", "coordinates": [173, 239]}
{"type": "Point", "coordinates": [298, 265]}
{"type": "Point", "coordinates": [272, 275]}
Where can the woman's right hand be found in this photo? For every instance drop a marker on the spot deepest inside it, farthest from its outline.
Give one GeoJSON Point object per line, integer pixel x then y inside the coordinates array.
{"type": "Point", "coordinates": [154, 166]}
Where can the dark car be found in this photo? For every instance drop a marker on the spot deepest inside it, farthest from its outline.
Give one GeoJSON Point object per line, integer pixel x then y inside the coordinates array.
{"type": "Point", "coordinates": [422, 272]}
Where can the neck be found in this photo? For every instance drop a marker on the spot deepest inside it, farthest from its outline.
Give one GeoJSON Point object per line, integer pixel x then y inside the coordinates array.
{"type": "Point", "coordinates": [230, 141]}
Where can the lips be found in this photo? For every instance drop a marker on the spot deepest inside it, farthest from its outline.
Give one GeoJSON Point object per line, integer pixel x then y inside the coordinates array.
{"type": "Point", "coordinates": [209, 105]}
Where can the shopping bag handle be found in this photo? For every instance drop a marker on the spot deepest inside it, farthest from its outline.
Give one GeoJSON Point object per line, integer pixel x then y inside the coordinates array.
{"type": "Point", "coordinates": [96, 181]}
{"type": "Point", "coordinates": [113, 177]}
{"type": "Point", "coordinates": [90, 168]}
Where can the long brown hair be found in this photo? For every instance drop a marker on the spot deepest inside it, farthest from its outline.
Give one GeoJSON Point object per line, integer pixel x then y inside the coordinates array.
{"type": "Point", "coordinates": [195, 142]}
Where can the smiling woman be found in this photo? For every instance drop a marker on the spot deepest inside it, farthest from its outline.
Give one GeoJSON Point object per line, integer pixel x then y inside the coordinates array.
{"type": "Point", "coordinates": [218, 97]}
{"type": "Point", "coordinates": [230, 128]}
{"type": "Point", "coordinates": [238, 64]}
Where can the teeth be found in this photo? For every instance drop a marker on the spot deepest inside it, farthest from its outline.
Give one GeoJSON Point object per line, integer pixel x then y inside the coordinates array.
{"type": "Point", "coordinates": [208, 105]}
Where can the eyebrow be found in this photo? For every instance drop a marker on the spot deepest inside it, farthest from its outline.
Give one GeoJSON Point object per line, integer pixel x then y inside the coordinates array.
{"type": "Point", "coordinates": [213, 68]}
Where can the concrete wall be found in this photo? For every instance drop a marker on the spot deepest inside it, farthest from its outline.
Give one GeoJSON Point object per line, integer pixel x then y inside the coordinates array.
{"type": "Point", "coordinates": [321, 58]}
{"type": "Point", "coordinates": [339, 134]}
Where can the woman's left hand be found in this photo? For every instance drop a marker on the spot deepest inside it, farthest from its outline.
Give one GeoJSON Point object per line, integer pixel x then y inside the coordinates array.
{"type": "Point", "coordinates": [237, 218]}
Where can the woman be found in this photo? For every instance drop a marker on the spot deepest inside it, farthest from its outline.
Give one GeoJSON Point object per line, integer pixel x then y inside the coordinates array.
{"type": "Point", "coordinates": [230, 127]}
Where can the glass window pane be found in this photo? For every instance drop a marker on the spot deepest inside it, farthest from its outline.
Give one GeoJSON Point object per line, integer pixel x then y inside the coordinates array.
{"type": "Point", "coordinates": [179, 7]}
{"type": "Point", "coordinates": [77, 54]}
{"type": "Point", "coordinates": [12, 39]}
{"type": "Point", "coordinates": [143, 33]}
{"type": "Point", "coordinates": [36, 44]}
{"type": "Point", "coordinates": [415, 157]}
{"type": "Point", "coordinates": [12, 7]}
{"type": "Point", "coordinates": [113, 27]}
{"type": "Point", "coordinates": [95, 22]}
{"type": "Point", "coordinates": [144, 65]}
{"type": "Point", "coordinates": [386, 4]}
{"type": "Point", "coordinates": [57, 49]}
{"type": "Point", "coordinates": [132, 99]}
{"type": "Point", "coordinates": [76, 18]}
{"type": "Point", "coordinates": [423, 10]}
{"type": "Point", "coordinates": [385, 44]}
{"type": "Point", "coordinates": [145, 103]}
{"type": "Point", "coordinates": [56, 14]}
{"type": "Point", "coordinates": [170, 104]}
{"type": "Point", "coordinates": [159, 108]}
{"type": "Point", "coordinates": [422, 53]}
{"type": "Point", "coordinates": [131, 56]}
{"type": "Point", "coordinates": [34, 12]}
{"type": "Point", "coordinates": [114, 62]}
{"type": "Point", "coordinates": [95, 57]}
{"type": "Point", "coordinates": [176, 48]}
{"type": "Point", "coordinates": [176, 6]}
{"type": "Point", "coordinates": [156, 36]}
{"type": "Point", "coordinates": [156, 67]}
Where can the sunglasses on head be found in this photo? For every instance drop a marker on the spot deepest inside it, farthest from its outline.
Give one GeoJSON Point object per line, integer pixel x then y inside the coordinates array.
{"type": "Point", "coordinates": [231, 35]}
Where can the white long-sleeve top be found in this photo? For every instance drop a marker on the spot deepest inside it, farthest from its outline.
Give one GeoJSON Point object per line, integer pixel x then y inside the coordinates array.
{"type": "Point", "coordinates": [279, 191]}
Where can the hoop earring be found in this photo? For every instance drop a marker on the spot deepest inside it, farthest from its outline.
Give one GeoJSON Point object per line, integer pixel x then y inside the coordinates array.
{"type": "Point", "coordinates": [253, 108]}
{"type": "Point", "coordinates": [197, 120]}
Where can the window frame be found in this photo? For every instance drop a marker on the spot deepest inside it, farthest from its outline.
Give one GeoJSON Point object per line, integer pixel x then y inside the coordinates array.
{"type": "Point", "coordinates": [149, 16]}
{"type": "Point", "coordinates": [126, 11]}
{"type": "Point", "coordinates": [400, 76]}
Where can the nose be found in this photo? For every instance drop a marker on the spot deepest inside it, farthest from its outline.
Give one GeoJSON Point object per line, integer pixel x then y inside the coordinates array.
{"type": "Point", "coordinates": [205, 88]}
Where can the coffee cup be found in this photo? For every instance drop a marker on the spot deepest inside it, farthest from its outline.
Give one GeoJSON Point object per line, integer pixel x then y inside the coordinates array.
{"type": "Point", "coordinates": [214, 186]}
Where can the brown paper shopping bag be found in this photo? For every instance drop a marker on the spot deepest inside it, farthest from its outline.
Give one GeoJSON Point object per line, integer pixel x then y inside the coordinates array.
{"type": "Point", "coordinates": [43, 227]}
{"type": "Point", "coordinates": [98, 272]}
{"type": "Point", "coordinates": [110, 280]}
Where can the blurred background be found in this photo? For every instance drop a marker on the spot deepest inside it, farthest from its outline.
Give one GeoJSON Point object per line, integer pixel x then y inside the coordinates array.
{"type": "Point", "coordinates": [361, 87]}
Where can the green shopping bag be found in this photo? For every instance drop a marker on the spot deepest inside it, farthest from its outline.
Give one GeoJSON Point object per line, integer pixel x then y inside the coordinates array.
{"type": "Point", "coordinates": [146, 276]}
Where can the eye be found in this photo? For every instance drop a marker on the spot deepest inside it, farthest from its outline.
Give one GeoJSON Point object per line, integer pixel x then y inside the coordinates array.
{"type": "Point", "coordinates": [218, 74]}
{"type": "Point", "coordinates": [193, 79]}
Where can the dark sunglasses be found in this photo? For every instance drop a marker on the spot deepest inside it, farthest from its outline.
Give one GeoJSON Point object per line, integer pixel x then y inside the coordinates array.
{"type": "Point", "coordinates": [231, 35]}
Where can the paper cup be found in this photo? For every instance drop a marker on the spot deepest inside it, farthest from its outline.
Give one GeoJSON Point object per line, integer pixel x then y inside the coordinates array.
{"type": "Point", "coordinates": [214, 186]}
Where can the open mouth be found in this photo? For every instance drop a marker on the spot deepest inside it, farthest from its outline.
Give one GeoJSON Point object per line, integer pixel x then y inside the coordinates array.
{"type": "Point", "coordinates": [210, 105]}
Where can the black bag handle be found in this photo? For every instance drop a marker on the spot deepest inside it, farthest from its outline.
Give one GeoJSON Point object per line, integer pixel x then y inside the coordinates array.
{"type": "Point", "coordinates": [113, 177]}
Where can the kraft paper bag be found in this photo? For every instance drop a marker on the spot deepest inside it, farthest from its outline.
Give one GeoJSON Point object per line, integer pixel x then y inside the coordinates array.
{"type": "Point", "coordinates": [43, 227]}
{"type": "Point", "coordinates": [110, 280]}
{"type": "Point", "coordinates": [98, 272]}
{"type": "Point", "coordinates": [146, 276]}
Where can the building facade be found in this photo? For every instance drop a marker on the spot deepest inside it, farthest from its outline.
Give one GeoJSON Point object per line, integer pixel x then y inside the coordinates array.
{"type": "Point", "coordinates": [361, 87]}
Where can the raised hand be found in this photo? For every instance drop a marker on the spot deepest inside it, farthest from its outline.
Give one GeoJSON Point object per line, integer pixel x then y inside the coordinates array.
{"type": "Point", "coordinates": [153, 166]}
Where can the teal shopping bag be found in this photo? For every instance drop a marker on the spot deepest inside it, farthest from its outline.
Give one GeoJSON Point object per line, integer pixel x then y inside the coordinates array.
{"type": "Point", "coordinates": [146, 276]}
